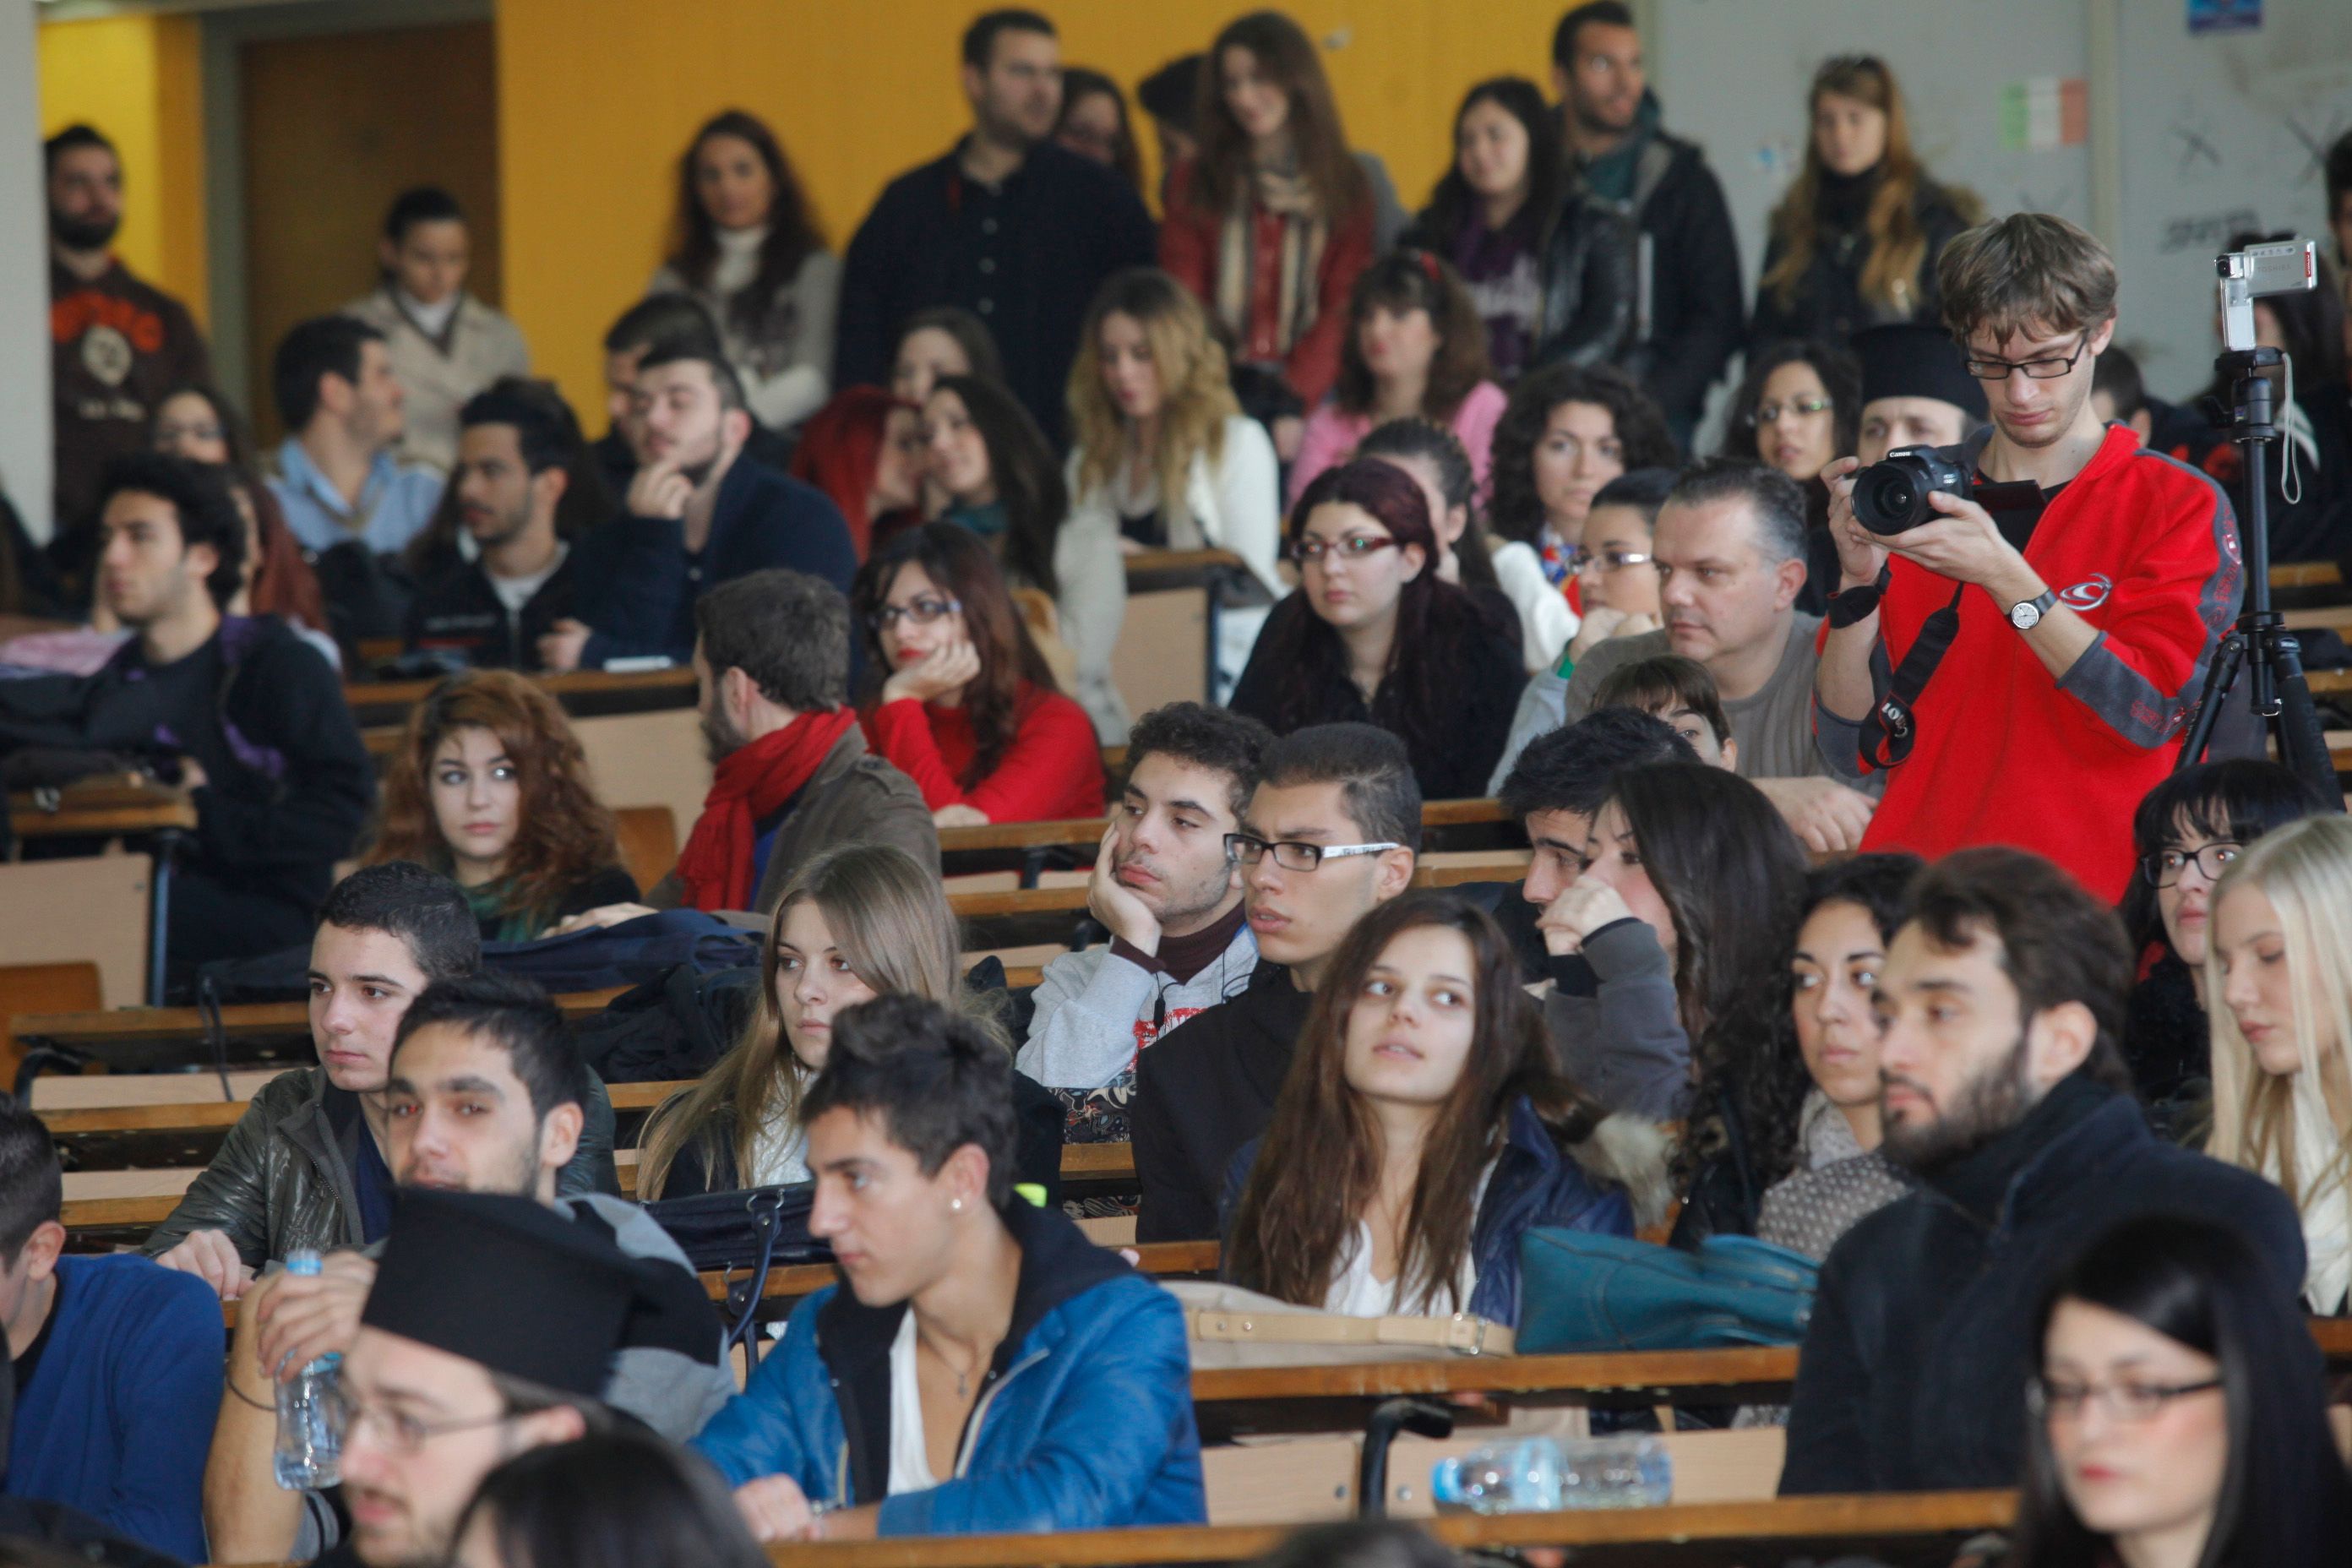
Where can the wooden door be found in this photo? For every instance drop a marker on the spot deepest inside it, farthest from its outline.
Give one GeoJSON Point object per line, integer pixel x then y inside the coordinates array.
{"type": "Point", "coordinates": [335, 127]}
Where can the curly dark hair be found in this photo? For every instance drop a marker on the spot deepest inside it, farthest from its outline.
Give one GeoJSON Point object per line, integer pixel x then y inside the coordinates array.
{"type": "Point", "coordinates": [1404, 280]}
{"type": "Point", "coordinates": [1841, 376]}
{"type": "Point", "coordinates": [1200, 736]}
{"type": "Point", "coordinates": [1517, 511]}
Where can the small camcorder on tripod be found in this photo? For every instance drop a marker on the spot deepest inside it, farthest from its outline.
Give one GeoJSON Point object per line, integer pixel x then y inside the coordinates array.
{"type": "Point", "coordinates": [2260, 642]}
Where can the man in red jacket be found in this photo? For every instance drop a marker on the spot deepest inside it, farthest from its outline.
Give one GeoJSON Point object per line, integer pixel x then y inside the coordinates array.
{"type": "Point", "coordinates": [2081, 586]}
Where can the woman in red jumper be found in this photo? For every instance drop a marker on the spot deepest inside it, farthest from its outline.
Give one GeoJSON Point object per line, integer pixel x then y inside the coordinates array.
{"type": "Point", "coordinates": [965, 705]}
{"type": "Point", "coordinates": [1271, 222]}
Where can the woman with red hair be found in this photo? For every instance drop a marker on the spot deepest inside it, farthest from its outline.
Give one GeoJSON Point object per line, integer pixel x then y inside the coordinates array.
{"type": "Point", "coordinates": [864, 450]}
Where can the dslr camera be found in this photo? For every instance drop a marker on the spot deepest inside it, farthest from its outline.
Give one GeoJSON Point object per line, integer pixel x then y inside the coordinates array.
{"type": "Point", "coordinates": [1891, 495]}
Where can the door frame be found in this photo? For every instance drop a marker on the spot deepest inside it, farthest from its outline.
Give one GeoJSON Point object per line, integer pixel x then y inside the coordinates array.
{"type": "Point", "coordinates": [226, 32]}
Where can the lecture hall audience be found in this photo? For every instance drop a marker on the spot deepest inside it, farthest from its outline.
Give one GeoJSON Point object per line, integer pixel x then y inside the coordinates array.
{"type": "Point", "coordinates": [197, 421]}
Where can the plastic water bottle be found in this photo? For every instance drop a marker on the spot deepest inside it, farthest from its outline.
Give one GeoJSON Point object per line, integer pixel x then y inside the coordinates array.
{"type": "Point", "coordinates": [1543, 1475]}
{"type": "Point", "coordinates": [310, 1450]}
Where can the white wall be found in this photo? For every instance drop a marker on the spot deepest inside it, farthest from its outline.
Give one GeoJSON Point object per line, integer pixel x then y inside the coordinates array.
{"type": "Point", "coordinates": [25, 439]}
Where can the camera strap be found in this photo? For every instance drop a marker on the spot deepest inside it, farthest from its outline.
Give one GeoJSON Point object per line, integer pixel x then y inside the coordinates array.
{"type": "Point", "coordinates": [1891, 728]}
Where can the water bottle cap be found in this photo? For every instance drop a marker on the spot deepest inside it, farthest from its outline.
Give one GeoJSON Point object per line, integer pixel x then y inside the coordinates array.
{"type": "Point", "coordinates": [304, 1262]}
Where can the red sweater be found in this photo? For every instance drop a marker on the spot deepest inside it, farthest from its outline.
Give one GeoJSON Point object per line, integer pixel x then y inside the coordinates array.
{"type": "Point", "coordinates": [1052, 770]}
{"type": "Point", "coordinates": [2143, 548]}
{"type": "Point", "coordinates": [1189, 243]}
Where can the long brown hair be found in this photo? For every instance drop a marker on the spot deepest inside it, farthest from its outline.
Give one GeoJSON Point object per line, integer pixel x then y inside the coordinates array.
{"type": "Point", "coordinates": [1298, 1211]}
{"type": "Point", "coordinates": [565, 834]}
{"type": "Point", "coordinates": [1898, 246]}
{"type": "Point", "coordinates": [792, 232]}
{"type": "Point", "coordinates": [891, 918]}
{"type": "Point", "coordinates": [959, 563]}
{"type": "Point", "coordinates": [1285, 52]}
{"type": "Point", "coordinates": [1408, 279]}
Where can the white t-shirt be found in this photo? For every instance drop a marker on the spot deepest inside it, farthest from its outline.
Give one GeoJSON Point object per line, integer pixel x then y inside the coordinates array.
{"type": "Point", "coordinates": [911, 1462]}
{"type": "Point", "coordinates": [1355, 1293]}
{"type": "Point", "coordinates": [514, 593]}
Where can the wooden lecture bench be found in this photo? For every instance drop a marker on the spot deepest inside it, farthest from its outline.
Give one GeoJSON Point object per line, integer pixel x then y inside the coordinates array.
{"type": "Point", "coordinates": [2308, 574]}
{"type": "Point", "coordinates": [581, 692]}
{"type": "Point", "coordinates": [102, 808]}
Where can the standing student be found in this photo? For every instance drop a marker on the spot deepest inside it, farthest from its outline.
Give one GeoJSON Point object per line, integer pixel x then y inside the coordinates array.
{"type": "Point", "coordinates": [489, 787]}
{"type": "Point", "coordinates": [1567, 431]}
{"type": "Point", "coordinates": [2280, 962]}
{"type": "Point", "coordinates": [1371, 634]}
{"type": "Point", "coordinates": [1160, 451]}
{"type": "Point", "coordinates": [959, 699]}
{"type": "Point", "coordinates": [199, 423]}
{"type": "Point", "coordinates": [445, 344]}
{"type": "Point", "coordinates": [1549, 270]}
{"type": "Point", "coordinates": [2178, 1413]}
{"type": "Point", "coordinates": [991, 462]}
{"type": "Point", "coordinates": [1854, 242]}
{"type": "Point", "coordinates": [1093, 124]}
{"type": "Point", "coordinates": [1271, 222]}
{"type": "Point", "coordinates": [864, 450]}
{"type": "Point", "coordinates": [1423, 1131]}
{"type": "Point", "coordinates": [749, 251]}
{"type": "Point", "coordinates": [1414, 350]}
{"type": "Point", "coordinates": [1687, 259]}
{"type": "Point", "coordinates": [1008, 224]}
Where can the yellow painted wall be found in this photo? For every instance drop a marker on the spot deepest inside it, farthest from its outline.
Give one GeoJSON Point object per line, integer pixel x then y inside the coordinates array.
{"type": "Point", "coordinates": [140, 80]}
{"type": "Point", "coordinates": [596, 98]}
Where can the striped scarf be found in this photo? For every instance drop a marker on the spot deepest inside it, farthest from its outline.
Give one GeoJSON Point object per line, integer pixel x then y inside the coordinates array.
{"type": "Point", "coordinates": [1291, 197]}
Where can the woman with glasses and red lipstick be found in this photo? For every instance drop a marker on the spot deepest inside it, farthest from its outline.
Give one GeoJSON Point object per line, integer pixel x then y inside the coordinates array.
{"type": "Point", "coordinates": [1372, 636]}
{"type": "Point", "coordinates": [960, 699]}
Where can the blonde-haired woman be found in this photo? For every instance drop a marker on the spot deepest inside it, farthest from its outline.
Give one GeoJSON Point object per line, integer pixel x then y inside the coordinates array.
{"type": "Point", "coordinates": [2280, 960]}
{"type": "Point", "coordinates": [859, 922]}
{"type": "Point", "coordinates": [1162, 454]}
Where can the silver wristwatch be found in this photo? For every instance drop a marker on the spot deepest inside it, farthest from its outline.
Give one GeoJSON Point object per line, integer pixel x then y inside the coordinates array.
{"type": "Point", "coordinates": [2026, 614]}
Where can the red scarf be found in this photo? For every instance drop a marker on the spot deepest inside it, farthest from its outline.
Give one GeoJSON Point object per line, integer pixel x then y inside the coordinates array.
{"type": "Point", "coordinates": [752, 783]}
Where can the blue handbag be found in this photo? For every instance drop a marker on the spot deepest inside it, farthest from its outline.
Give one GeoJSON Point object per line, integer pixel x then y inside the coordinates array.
{"type": "Point", "coordinates": [1580, 1290]}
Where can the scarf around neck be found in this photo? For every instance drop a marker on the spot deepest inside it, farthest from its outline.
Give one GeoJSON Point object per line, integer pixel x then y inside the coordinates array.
{"type": "Point", "coordinates": [1289, 196]}
{"type": "Point", "coordinates": [751, 783]}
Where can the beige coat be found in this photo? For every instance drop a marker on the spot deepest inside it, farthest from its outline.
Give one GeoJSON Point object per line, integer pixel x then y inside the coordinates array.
{"type": "Point", "coordinates": [483, 345]}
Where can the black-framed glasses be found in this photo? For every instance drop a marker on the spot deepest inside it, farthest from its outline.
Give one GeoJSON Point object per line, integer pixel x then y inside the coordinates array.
{"type": "Point", "coordinates": [401, 1432]}
{"type": "Point", "coordinates": [1352, 547]}
{"type": "Point", "coordinates": [1608, 560]}
{"type": "Point", "coordinates": [1293, 856]}
{"type": "Point", "coordinates": [2059, 1399]}
{"type": "Point", "coordinates": [1769, 412]}
{"type": "Point", "coordinates": [2044, 369]}
{"type": "Point", "coordinates": [923, 611]}
{"type": "Point", "coordinates": [2163, 868]}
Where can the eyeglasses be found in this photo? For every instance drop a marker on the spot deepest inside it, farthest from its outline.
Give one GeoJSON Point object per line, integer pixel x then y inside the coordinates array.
{"type": "Point", "coordinates": [1293, 856]}
{"type": "Point", "coordinates": [2132, 1402]}
{"type": "Point", "coordinates": [1354, 547]}
{"type": "Point", "coordinates": [923, 612]}
{"type": "Point", "coordinates": [2164, 867]}
{"type": "Point", "coordinates": [1607, 560]}
{"type": "Point", "coordinates": [1769, 412]}
{"type": "Point", "coordinates": [402, 1433]}
{"type": "Point", "coordinates": [2034, 369]}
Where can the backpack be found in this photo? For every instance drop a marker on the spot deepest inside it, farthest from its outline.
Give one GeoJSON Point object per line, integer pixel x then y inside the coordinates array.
{"type": "Point", "coordinates": [674, 1026]}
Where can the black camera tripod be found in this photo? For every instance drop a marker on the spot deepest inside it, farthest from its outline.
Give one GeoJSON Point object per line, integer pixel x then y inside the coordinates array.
{"type": "Point", "coordinates": [2260, 641]}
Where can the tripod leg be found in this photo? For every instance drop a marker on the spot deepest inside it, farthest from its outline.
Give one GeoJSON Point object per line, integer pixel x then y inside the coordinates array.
{"type": "Point", "coordinates": [2220, 678]}
{"type": "Point", "coordinates": [2302, 741]}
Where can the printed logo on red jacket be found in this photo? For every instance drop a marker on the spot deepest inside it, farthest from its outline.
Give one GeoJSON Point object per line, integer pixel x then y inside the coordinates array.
{"type": "Point", "coordinates": [2089, 594]}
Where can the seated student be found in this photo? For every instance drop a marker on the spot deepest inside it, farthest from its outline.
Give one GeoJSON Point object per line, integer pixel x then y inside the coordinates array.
{"type": "Point", "coordinates": [1423, 1130]}
{"type": "Point", "coordinates": [2119, 396]}
{"type": "Point", "coordinates": [2187, 831]}
{"type": "Point", "coordinates": [497, 582]}
{"type": "Point", "coordinates": [1730, 548]}
{"type": "Point", "coordinates": [859, 922]}
{"type": "Point", "coordinates": [2177, 1412]}
{"type": "Point", "coordinates": [1415, 349]}
{"type": "Point", "coordinates": [342, 407]}
{"type": "Point", "coordinates": [1561, 781]}
{"type": "Point", "coordinates": [959, 699]}
{"type": "Point", "coordinates": [1916, 392]}
{"type": "Point", "coordinates": [197, 421]}
{"type": "Point", "coordinates": [1331, 830]}
{"type": "Point", "coordinates": [1168, 893]}
{"type": "Point", "coordinates": [489, 1332]}
{"type": "Point", "coordinates": [1615, 563]}
{"type": "Point", "coordinates": [489, 788]}
{"type": "Point", "coordinates": [699, 515]}
{"type": "Point", "coordinates": [1797, 410]}
{"type": "Point", "coordinates": [957, 1294]}
{"type": "Point", "coordinates": [254, 717]}
{"type": "Point", "coordinates": [793, 776]}
{"type": "Point", "coordinates": [118, 1368]}
{"type": "Point", "coordinates": [864, 450]}
{"type": "Point", "coordinates": [1371, 635]}
{"type": "Point", "coordinates": [486, 1095]}
{"type": "Point", "coordinates": [1569, 430]}
{"type": "Point", "coordinates": [1503, 576]}
{"type": "Point", "coordinates": [1681, 913]}
{"type": "Point", "coordinates": [618, 1499]}
{"type": "Point", "coordinates": [1836, 1174]}
{"type": "Point", "coordinates": [1679, 690]}
{"type": "Point", "coordinates": [942, 340]}
{"type": "Point", "coordinates": [2001, 998]}
{"type": "Point", "coordinates": [659, 320]}
{"type": "Point", "coordinates": [999, 479]}
{"type": "Point", "coordinates": [306, 1165]}
{"type": "Point", "coordinates": [2280, 955]}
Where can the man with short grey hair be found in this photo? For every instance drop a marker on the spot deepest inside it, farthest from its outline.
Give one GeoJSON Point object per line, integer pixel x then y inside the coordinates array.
{"type": "Point", "coordinates": [1730, 548]}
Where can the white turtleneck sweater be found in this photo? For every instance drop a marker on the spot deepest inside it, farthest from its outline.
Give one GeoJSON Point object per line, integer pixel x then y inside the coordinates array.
{"type": "Point", "coordinates": [787, 368]}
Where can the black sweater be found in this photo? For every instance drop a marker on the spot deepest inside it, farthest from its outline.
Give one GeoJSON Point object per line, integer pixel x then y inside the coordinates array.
{"type": "Point", "coordinates": [1827, 302]}
{"type": "Point", "coordinates": [1203, 1090]}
